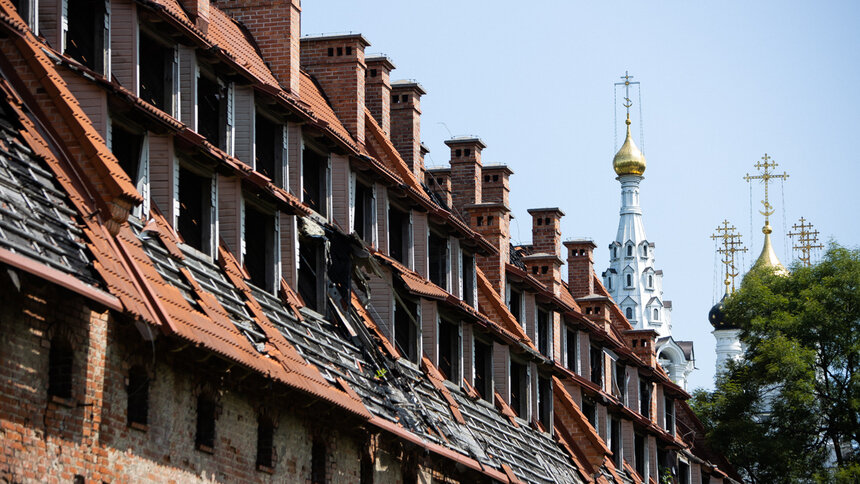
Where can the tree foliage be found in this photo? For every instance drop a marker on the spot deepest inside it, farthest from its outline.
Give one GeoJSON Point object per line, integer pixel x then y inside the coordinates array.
{"type": "Point", "coordinates": [788, 411]}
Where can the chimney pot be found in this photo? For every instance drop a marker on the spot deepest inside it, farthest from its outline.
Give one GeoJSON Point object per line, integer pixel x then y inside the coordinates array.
{"type": "Point", "coordinates": [406, 123]}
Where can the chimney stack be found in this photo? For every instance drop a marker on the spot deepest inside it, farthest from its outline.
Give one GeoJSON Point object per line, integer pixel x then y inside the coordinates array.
{"type": "Point", "coordinates": [439, 182]}
{"type": "Point", "coordinates": [465, 172]}
{"type": "Point", "coordinates": [496, 185]}
{"type": "Point", "coordinates": [406, 123]}
{"type": "Point", "coordinates": [337, 63]}
{"type": "Point", "coordinates": [377, 90]}
{"type": "Point", "coordinates": [643, 343]}
{"type": "Point", "coordinates": [545, 262]}
{"type": "Point", "coordinates": [198, 10]}
{"type": "Point", "coordinates": [492, 221]}
{"type": "Point", "coordinates": [276, 27]}
{"type": "Point", "coordinates": [580, 267]}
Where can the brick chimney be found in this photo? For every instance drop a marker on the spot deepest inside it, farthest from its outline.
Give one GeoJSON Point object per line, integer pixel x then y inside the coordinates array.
{"type": "Point", "coordinates": [580, 267]}
{"type": "Point", "coordinates": [406, 123]}
{"type": "Point", "coordinates": [643, 342]}
{"type": "Point", "coordinates": [597, 309]}
{"type": "Point", "coordinates": [439, 182]}
{"type": "Point", "coordinates": [198, 10]}
{"type": "Point", "coordinates": [496, 186]}
{"type": "Point", "coordinates": [493, 222]}
{"type": "Point", "coordinates": [337, 63]}
{"type": "Point", "coordinates": [465, 172]}
{"type": "Point", "coordinates": [544, 262]}
{"type": "Point", "coordinates": [276, 27]}
{"type": "Point", "coordinates": [377, 90]}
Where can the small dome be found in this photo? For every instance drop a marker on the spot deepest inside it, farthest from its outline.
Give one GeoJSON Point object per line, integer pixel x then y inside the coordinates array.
{"type": "Point", "coordinates": [629, 160]}
{"type": "Point", "coordinates": [717, 315]}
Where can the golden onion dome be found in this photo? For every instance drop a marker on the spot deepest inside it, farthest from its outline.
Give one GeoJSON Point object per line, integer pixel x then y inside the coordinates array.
{"type": "Point", "coordinates": [629, 160]}
{"type": "Point", "coordinates": [768, 257]}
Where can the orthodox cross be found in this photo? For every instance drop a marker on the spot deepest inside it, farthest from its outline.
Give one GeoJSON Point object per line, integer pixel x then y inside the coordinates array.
{"type": "Point", "coordinates": [807, 239]}
{"type": "Point", "coordinates": [766, 176]}
{"type": "Point", "coordinates": [731, 245]}
{"type": "Point", "coordinates": [626, 84]}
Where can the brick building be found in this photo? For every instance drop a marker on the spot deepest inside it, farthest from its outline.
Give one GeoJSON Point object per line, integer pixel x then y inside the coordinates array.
{"type": "Point", "coordinates": [223, 260]}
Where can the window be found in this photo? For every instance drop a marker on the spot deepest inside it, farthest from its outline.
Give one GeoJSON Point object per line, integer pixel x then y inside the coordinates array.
{"type": "Point", "coordinates": [629, 251]}
{"type": "Point", "coordinates": [138, 397]}
{"type": "Point", "coordinates": [609, 282]}
{"type": "Point", "coordinates": [449, 350]}
{"type": "Point", "coordinates": [590, 411]}
{"type": "Point", "coordinates": [315, 180]}
{"type": "Point", "coordinates": [365, 211]}
{"type": "Point", "coordinates": [131, 151]}
{"type": "Point", "coordinates": [629, 280]}
{"type": "Point", "coordinates": [405, 326]}
{"type": "Point", "coordinates": [312, 273]}
{"type": "Point", "coordinates": [628, 313]}
{"type": "Point", "coordinates": [205, 437]}
{"type": "Point", "coordinates": [366, 468]}
{"type": "Point", "coordinates": [596, 366]}
{"type": "Point", "coordinates": [572, 346]}
{"type": "Point", "coordinates": [669, 411]}
{"type": "Point", "coordinates": [620, 382]}
{"type": "Point", "coordinates": [438, 256]}
{"type": "Point", "coordinates": [645, 399]}
{"type": "Point", "coordinates": [614, 252]}
{"type": "Point", "coordinates": [212, 106]}
{"type": "Point", "coordinates": [645, 250]}
{"type": "Point", "coordinates": [158, 73]}
{"type": "Point", "coordinates": [615, 440]}
{"type": "Point", "coordinates": [469, 279]}
{"type": "Point", "coordinates": [259, 251]}
{"type": "Point", "coordinates": [195, 209]}
{"type": "Point", "coordinates": [86, 35]}
{"type": "Point", "coordinates": [683, 473]}
{"type": "Point", "coordinates": [650, 281]}
{"type": "Point", "coordinates": [519, 389]}
{"type": "Point", "coordinates": [60, 366]}
{"type": "Point", "coordinates": [265, 442]}
{"type": "Point", "coordinates": [515, 304]}
{"type": "Point", "coordinates": [484, 370]}
{"type": "Point", "coordinates": [399, 235]}
{"type": "Point", "coordinates": [270, 149]}
{"type": "Point", "coordinates": [544, 336]}
{"type": "Point", "coordinates": [639, 454]}
{"type": "Point", "coordinates": [28, 10]}
{"type": "Point", "coordinates": [318, 463]}
{"type": "Point", "coordinates": [545, 402]}
{"type": "Point", "coordinates": [656, 314]}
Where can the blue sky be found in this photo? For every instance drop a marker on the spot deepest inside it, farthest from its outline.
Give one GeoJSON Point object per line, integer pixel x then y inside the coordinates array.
{"type": "Point", "coordinates": [722, 83]}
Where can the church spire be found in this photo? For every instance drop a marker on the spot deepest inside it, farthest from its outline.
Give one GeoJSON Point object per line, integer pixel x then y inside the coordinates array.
{"type": "Point", "coordinates": [768, 257]}
{"type": "Point", "coordinates": [629, 160]}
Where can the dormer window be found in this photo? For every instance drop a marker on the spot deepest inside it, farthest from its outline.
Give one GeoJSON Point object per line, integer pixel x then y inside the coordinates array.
{"type": "Point", "coordinates": [628, 313]}
{"type": "Point", "coordinates": [364, 212]}
{"type": "Point", "coordinates": [196, 219]}
{"type": "Point", "coordinates": [645, 398]}
{"type": "Point", "coordinates": [519, 379]}
{"type": "Point", "coordinates": [132, 152]}
{"type": "Point", "coordinates": [645, 250]}
{"type": "Point", "coordinates": [544, 335]}
{"type": "Point", "coordinates": [316, 184]}
{"type": "Point", "coordinates": [650, 281]}
{"type": "Point", "coordinates": [619, 381]}
{"type": "Point", "coordinates": [450, 350]}
{"type": "Point", "coordinates": [399, 235]}
{"type": "Point", "coordinates": [596, 358]}
{"type": "Point", "coordinates": [628, 278]}
{"type": "Point", "coordinates": [515, 303]}
{"type": "Point", "coordinates": [406, 323]}
{"type": "Point", "coordinates": [614, 252]}
{"type": "Point", "coordinates": [629, 251]}
{"type": "Point", "coordinates": [439, 255]}
{"type": "Point", "coordinates": [609, 282]}
{"type": "Point", "coordinates": [468, 278]}
{"type": "Point", "coordinates": [483, 369]}
{"type": "Point", "coordinates": [214, 109]}
{"type": "Point", "coordinates": [669, 410]}
{"type": "Point", "coordinates": [260, 248]}
{"type": "Point", "coordinates": [615, 440]}
{"type": "Point", "coordinates": [158, 66]}
{"type": "Point", "coordinates": [572, 350]}
{"type": "Point", "coordinates": [28, 10]}
{"type": "Point", "coordinates": [85, 33]}
{"type": "Point", "coordinates": [544, 403]}
{"type": "Point", "coordinates": [312, 272]}
{"type": "Point", "coordinates": [270, 149]}
{"type": "Point", "coordinates": [656, 314]}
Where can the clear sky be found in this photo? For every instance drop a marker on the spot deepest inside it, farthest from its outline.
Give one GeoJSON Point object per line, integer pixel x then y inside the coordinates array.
{"type": "Point", "coordinates": [722, 83]}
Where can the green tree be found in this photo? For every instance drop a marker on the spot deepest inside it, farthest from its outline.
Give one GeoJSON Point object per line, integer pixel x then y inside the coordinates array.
{"type": "Point", "coordinates": [788, 411]}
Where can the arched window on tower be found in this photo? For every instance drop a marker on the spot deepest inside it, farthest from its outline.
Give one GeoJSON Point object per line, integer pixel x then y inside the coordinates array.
{"type": "Point", "coordinates": [656, 314]}
{"type": "Point", "coordinates": [629, 280]}
{"type": "Point", "coordinates": [650, 281]}
{"type": "Point", "coordinates": [645, 250]}
{"type": "Point", "coordinates": [614, 252]}
{"type": "Point", "coordinates": [628, 313]}
{"type": "Point", "coordinates": [629, 251]}
{"type": "Point", "coordinates": [609, 282]}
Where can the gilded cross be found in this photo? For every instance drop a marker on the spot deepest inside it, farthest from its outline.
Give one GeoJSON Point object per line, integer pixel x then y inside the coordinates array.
{"type": "Point", "coordinates": [731, 245]}
{"type": "Point", "coordinates": [626, 84]}
{"type": "Point", "coordinates": [767, 174]}
{"type": "Point", "coordinates": [807, 239]}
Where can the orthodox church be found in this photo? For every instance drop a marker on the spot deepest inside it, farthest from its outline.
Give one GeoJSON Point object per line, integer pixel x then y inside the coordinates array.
{"type": "Point", "coordinates": [631, 278]}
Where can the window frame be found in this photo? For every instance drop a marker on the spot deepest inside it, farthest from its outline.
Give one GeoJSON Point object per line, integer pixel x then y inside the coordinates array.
{"type": "Point", "coordinates": [324, 169]}
{"type": "Point", "coordinates": [171, 85]}
{"type": "Point", "coordinates": [209, 238]}
{"type": "Point", "coordinates": [272, 254]}
{"type": "Point", "coordinates": [453, 347]}
{"type": "Point", "coordinates": [488, 392]}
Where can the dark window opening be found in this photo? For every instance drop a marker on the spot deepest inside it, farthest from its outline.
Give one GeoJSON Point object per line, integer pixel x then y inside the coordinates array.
{"type": "Point", "coordinates": [449, 350]}
{"type": "Point", "coordinates": [311, 272]}
{"type": "Point", "coordinates": [60, 366]}
{"type": "Point", "coordinates": [349, 51]}
{"type": "Point", "coordinates": [614, 252]}
{"type": "Point", "coordinates": [669, 411]}
{"type": "Point", "coordinates": [205, 437]}
{"type": "Point", "coordinates": [543, 332]}
{"type": "Point", "coordinates": [364, 212]}
{"type": "Point", "coordinates": [597, 366]}
{"type": "Point", "coordinates": [318, 463]}
{"type": "Point", "coordinates": [25, 10]}
{"type": "Point", "coordinates": [265, 442]}
{"type": "Point", "coordinates": [138, 395]}
{"type": "Point", "coordinates": [259, 256]}
{"type": "Point", "coordinates": [519, 389]}
{"type": "Point", "coordinates": [469, 279]}
{"type": "Point", "coordinates": [683, 473]}
{"type": "Point", "coordinates": [366, 468]}
{"type": "Point", "coordinates": [405, 97]}
{"type": "Point", "coordinates": [405, 326]}
{"type": "Point", "coordinates": [269, 149]}
{"type": "Point", "coordinates": [126, 147]}
{"type": "Point", "coordinates": [545, 402]}
{"type": "Point", "coordinates": [495, 178]}
{"type": "Point", "coordinates": [615, 440]}
{"type": "Point", "coordinates": [590, 411]}
{"type": "Point", "coordinates": [620, 389]}
{"type": "Point", "coordinates": [639, 453]}
{"type": "Point", "coordinates": [398, 234]}
{"type": "Point", "coordinates": [212, 110]}
{"type": "Point", "coordinates": [438, 257]}
{"type": "Point", "coordinates": [628, 313]}
{"type": "Point", "coordinates": [629, 280]}
{"type": "Point", "coordinates": [480, 221]}
{"type": "Point", "coordinates": [315, 181]}
{"type": "Point", "coordinates": [85, 38]}
{"type": "Point", "coordinates": [467, 152]}
{"type": "Point", "coordinates": [645, 399]}
{"type": "Point", "coordinates": [664, 465]}
{"type": "Point", "coordinates": [340, 51]}
{"type": "Point", "coordinates": [373, 73]}
{"type": "Point", "coordinates": [572, 350]}
{"type": "Point", "coordinates": [195, 209]}
{"type": "Point", "coordinates": [484, 370]}
{"type": "Point", "coordinates": [156, 73]}
{"type": "Point", "coordinates": [515, 304]}
{"type": "Point", "coordinates": [629, 250]}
